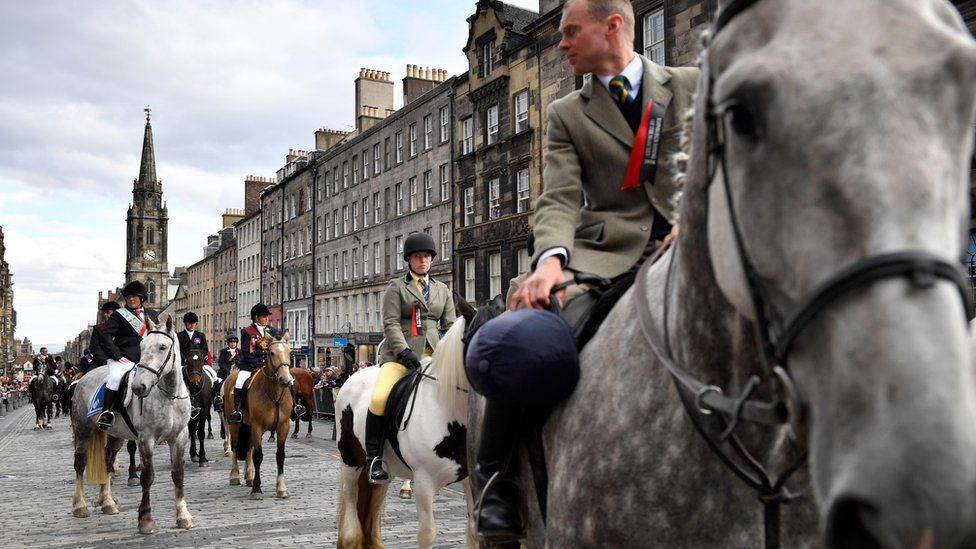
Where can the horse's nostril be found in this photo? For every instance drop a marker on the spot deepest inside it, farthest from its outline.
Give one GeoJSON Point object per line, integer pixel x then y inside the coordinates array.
{"type": "Point", "coordinates": [853, 523]}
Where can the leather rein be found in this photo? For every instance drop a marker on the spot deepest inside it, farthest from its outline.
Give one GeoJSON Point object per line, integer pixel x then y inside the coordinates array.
{"type": "Point", "coordinates": [775, 336]}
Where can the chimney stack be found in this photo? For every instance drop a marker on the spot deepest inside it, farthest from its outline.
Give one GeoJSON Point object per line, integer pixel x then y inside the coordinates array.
{"type": "Point", "coordinates": [253, 185]}
{"type": "Point", "coordinates": [419, 80]}
{"type": "Point", "coordinates": [374, 94]}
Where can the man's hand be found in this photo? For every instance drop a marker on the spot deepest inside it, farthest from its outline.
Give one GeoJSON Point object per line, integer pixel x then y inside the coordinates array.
{"type": "Point", "coordinates": [672, 235]}
{"type": "Point", "coordinates": [124, 360]}
{"type": "Point", "coordinates": [534, 292]}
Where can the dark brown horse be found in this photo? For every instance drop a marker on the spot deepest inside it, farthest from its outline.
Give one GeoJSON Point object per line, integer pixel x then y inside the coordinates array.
{"type": "Point", "coordinates": [268, 408]}
{"type": "Point", "coordinates": [201, 396]}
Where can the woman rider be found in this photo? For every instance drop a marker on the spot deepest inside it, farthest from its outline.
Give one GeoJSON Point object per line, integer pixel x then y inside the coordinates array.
{"type": "Point", "coordinates": [415, 307]}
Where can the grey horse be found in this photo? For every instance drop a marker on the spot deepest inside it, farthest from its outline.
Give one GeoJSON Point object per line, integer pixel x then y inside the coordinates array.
{"type": "Point", "coordinates": [827, 137]}
{"type": "Point", "coordinates": [159, 409]}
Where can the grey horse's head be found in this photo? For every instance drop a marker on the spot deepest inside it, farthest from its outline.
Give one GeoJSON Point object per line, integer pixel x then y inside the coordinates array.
{"type": "Point", "coordinates": [157, 357]}
{"type": "Point", "coordinates": [849, 132]}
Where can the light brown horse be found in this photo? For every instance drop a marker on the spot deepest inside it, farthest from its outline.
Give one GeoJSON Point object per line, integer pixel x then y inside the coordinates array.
{"type": "Point", "coordinates": [268, 408]}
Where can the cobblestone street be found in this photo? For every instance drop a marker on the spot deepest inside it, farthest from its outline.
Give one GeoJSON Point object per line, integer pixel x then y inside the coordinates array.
{"type": "Point", "coordinates": [37, 482]}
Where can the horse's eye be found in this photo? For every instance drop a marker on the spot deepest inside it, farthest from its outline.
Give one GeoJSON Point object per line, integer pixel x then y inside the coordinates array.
{"type": "Point", "coordinates": [162, 347]}
{"type": "Point", "coordinates": [742, 121]}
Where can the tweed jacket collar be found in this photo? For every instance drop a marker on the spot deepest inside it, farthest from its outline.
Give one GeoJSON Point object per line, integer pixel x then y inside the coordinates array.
{"type": "Point", "coordinates": [601, 108]}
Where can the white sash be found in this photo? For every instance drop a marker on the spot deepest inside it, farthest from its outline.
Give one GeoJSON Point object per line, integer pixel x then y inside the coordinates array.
{"type": "Point", "coordinates": [137, 325]}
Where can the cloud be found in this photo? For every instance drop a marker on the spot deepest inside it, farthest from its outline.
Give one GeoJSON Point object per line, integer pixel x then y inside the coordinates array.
{"type": "Point", "coordinates": [233, 85]}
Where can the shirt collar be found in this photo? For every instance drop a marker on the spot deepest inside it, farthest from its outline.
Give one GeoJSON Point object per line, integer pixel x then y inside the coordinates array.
{"type": "Point", "coordinates": [634, 71]}
{"type": "Point", "coordinates": [416, 277]}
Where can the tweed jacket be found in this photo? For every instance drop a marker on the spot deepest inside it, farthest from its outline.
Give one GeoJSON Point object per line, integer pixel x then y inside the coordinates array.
{"type": "Point", "coordinates": [582, 207]}
{"type": "Point", "coordinates": [436, 315]}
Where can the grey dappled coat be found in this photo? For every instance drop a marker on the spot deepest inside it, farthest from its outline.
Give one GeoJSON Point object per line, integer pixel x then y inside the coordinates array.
{"type": "Point", "coordinates": [437, 314]}
{"type": "Point", "coordinates": [589, 147]}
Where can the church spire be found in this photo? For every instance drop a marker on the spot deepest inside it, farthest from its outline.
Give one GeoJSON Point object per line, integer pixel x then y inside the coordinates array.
{"type": "Point", "coordinates": [147, 169]}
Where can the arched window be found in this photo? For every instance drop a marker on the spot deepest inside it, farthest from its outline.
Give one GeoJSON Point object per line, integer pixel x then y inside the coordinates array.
{"type": "Point", "coordinates": [150, 237]}
{"type": "Point", "coordinates": [151, 286]}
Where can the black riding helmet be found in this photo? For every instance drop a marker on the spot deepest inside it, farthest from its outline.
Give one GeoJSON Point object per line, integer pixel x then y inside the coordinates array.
{"type": "Point", "coordinates": [110, 306]}
{"type": "Point", "coordinates": [231, 337]}
{"type": "Point", "coordinates": [419, 242]}
{"type": "Point", "coordinates": [135, 288]}
{"type": "Point", "coordinates": [190, 318]}
{"type": "Point", "coordinates": [260, 310]}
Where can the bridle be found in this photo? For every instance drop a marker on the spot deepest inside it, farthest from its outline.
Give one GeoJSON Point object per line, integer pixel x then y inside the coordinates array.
{"type": "Point", "coordinates": [272, 371]}
{"type": "Point", "coordinates": [775, 333]}
{"type": "Point", "coordinates": [159, 372]}
{"type": "Point", "coordinates": [190, 368]}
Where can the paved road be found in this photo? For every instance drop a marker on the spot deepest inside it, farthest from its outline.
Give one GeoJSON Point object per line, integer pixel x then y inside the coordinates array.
{"type": "Point", "coordinates": [37, 482]}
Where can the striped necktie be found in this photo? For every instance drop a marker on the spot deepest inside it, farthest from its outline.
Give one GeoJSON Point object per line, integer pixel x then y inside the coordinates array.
{"type": "Point", "coordinates": [425, 289]}
{"type": "Point", "coordinates": [620, 89]}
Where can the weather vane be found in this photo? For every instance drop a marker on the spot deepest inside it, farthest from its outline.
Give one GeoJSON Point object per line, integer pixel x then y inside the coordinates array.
{"type": "Point", "coordinates": [148, 112]}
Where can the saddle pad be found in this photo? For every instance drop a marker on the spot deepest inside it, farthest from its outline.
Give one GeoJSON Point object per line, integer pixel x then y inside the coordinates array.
{"type": "Point", "coordinates": [97, 401]}
{"type": "Point", "coordinates": [396, 408]}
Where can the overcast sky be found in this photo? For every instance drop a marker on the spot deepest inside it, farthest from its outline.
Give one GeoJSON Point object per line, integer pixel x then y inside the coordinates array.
{"type": "Point", "coordinates": [233, 85]}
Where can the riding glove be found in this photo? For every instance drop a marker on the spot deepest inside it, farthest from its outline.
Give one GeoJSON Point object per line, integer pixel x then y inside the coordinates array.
{"type": "Point", "coordinates": [408, 359]}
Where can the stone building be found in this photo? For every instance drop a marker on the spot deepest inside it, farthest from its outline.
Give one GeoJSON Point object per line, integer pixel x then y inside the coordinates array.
{"type": "Point", "coordinates": [8, 316]}
{"type": "Point", "coordinates": [296, 266]}
{"type": "Point", "coordinates": [373, 187]}
{"type": "Point", "coordinates": [272, 251]}
{"type": "Point", "coordinates": [515, 72]}
{"type": "Point", "coordinates": [225, 281]}
{"type": "Point", "coordinates": [248, 231]}
{"type": "Point", "coordinates": [146, 229]}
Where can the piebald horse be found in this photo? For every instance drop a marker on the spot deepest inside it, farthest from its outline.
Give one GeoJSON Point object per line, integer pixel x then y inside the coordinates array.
{"type": "Point", "coordinates": [432, 443]}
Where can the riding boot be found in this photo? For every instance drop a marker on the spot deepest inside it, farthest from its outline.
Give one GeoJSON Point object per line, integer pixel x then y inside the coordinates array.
{"type": "Point", "coordinates": [107, 417]}
{"type": "Point", "coordinates": [218, 399]}
{"type": "Point", "coordinates": [374, 449]}
{"type": "Point", "coordinates": [239, 400]}
{"type": "Point", "coordinates": [499, 516]}
{"type": "Point", "coordinates": [298, 411]}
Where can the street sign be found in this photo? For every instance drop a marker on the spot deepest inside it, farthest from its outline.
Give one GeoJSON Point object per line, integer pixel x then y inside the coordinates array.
{"type": "Point", "coordinates": [339, 342]}
{"type": "Point", "coordinates": [304, 349]}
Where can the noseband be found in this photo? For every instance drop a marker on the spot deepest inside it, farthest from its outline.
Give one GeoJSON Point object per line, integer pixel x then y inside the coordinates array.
{"type": "Point", "coordinates": [775, 332]}
{"type": "Point", "coordinates": [158, 373]}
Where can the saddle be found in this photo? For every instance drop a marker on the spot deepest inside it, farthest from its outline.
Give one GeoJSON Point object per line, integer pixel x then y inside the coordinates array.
{"type": "Point", "coordinates": [396, 408]}
{"type": "Point", "coordinates": [98, 397]}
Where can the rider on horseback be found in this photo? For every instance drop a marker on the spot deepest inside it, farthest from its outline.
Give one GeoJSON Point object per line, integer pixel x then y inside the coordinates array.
{"type": "Point", "coordinates": [252, 358]}
{"type": "Point", "coordinates": [228, 359]}
{"type": "Point", "coordinates": [193, 343]}
{"type": "Point", "coordinates": [628, 101]}
{"type": "Point", "coordinates": [121, 337]}
{"type": "Point", "coordinates": [415, 307]}
{"type": "Point", "coordinates": [44, 361]}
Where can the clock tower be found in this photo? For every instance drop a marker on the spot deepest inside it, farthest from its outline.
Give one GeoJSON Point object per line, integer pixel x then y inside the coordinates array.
{"type": "Point", "coordinates": [146, 228]}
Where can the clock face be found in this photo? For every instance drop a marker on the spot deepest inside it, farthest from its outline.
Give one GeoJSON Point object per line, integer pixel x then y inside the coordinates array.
{"type": "Point", "coordinates": [150, 255]}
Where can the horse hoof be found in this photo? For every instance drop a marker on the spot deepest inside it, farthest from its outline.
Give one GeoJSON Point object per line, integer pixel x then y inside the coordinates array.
{"type": "Point", "coordinates": [81, 512]}
{"type": "Point", "coordinates": [148, 527]}
{"type": "Point", "coordinates": [235, 482]}
{"type": "Point", "coordinates": [37, 428]}
{"type": "Point", "coordinates": [49, 428]}
{"type": "Point", "coordinates": [308, 435]}
{"type": "Point", "coordinates": [283, 494]}
{"type": "Point", "coordinates": [185, 523]}
{"type": "Point", "coordinates": [257, 496]}
{"type": "Point", "coordinates": [133, 481]}
{"type": "Point", "coordinates": [294, 435]}
{"type": "Point", "coordinates": [204, 463]}
{"type": "Point", "coordinates": [210, 436]}
{"type": "Point", "coordinates": [406, 494]}
{"type": "Point", "coordinates": [194, 459]}
{"type": "Point", "coordinates": [110, 510]}
{"type": "Point", "coordinates": [249, 482]}
{"type": "Point", "coordinates": [228, 454]}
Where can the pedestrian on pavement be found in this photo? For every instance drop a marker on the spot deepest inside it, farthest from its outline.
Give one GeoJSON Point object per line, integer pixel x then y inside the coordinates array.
{"type": "Point", "coordinates": [415, 307]}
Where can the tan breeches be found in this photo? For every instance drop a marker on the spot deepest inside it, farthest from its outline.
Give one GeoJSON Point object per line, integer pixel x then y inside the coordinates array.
{"type": "Point", "coordinates": [390, 373]}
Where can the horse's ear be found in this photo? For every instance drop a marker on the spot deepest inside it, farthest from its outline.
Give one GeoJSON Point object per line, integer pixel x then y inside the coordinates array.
{"type": "Point", "coordinates": [150, 325]}
{"type": "Point", "coordinates": [463, 308]}
{"type": "Point", "coordinates": [169, 323]}
{"type": "Point", "coordinates": [498, 303]}
{"type": "Point", "coordinates": [286, 335]}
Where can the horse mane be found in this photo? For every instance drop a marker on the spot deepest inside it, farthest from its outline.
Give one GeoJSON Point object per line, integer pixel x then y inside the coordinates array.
{"type": "Point", "coordinates": [447, 365]}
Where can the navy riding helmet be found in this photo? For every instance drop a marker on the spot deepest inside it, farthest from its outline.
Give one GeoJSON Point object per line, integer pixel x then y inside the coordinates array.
{"type": "Point", "coordinates": [524, 358]}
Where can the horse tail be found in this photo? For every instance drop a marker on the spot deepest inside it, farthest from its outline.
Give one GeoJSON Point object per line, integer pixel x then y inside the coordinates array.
{"type": "Point", "coordinates": [243, 441]}
{"type": "Point", "coordinates": [448, 367]}
{"type": "Point", "coordinates": [96, 471]}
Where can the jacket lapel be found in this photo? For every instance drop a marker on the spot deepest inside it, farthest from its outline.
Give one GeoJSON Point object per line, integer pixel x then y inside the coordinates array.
{"type": "Point", "coordinates": [601, 109]}
{"type": "Point", "coordinates": [413, 289]}
{"type": "Point", "coordinates": [654, 84]}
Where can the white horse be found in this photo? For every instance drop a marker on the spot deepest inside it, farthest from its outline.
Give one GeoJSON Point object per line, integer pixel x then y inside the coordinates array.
{"type": "Point", "coordinates": [432, 444]}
